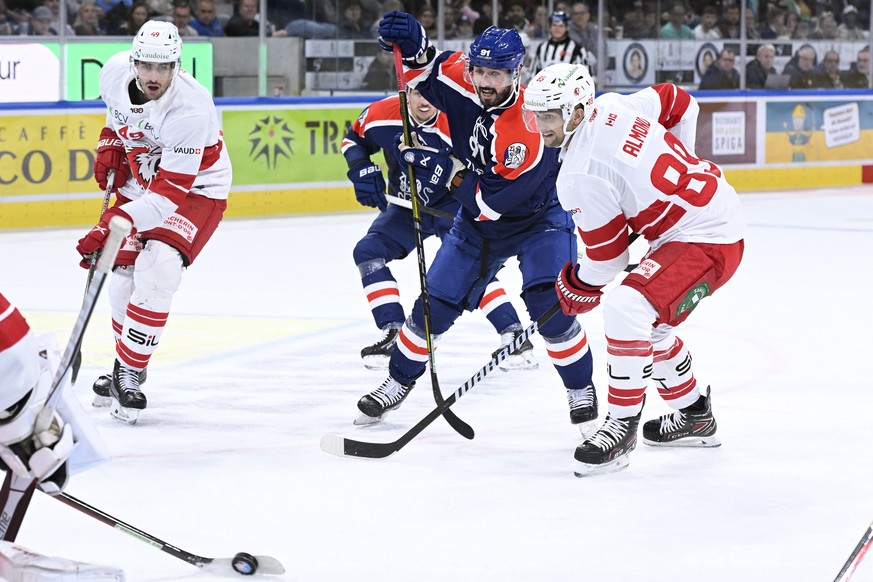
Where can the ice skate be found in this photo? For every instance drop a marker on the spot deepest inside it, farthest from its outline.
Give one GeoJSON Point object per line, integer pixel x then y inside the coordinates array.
{"type": "Point", "coordinates": [522, 359]}
{"type": "Point", "coordinates": [376, 356]}
{"type": "Point", "coordinates": [583, 408]}
{"type": "Point", "coordinates": [688, 427]}
{"type": "Point", "coordinates": [101, 388]}
{"type": "Point", "coordinates": [127, 400]}
{"type": "Point", "coordinates": [387, 397]}
{"type": "Point", "coordinates": [607, 450]}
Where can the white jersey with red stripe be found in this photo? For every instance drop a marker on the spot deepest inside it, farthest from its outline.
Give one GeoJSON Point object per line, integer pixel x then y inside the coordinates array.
{"type": "Point", "coordinates": [174, 143]}
{"type": "Point", "coordinates": [628, 166]}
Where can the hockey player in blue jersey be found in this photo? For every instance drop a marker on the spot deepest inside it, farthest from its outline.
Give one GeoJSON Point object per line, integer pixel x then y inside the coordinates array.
{"type": "Point", "coordinates": [509, 207]}
{"type": "Point", "coordinates": [392, 234]}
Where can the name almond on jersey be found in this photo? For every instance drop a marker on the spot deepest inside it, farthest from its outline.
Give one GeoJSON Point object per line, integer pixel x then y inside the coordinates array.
{"type": "Point", "coordinates": [634, 142]}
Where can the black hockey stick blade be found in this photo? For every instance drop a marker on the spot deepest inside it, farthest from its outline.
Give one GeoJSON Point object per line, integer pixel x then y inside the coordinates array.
{"type": "Point", "coordinates": [344, 447]}
{"type": "Point", "coordinates": [242, 563]}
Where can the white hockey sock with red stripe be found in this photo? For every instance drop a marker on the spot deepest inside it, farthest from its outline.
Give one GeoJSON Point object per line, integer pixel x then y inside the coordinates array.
{"type": "Point", "coordinates": [140, 335]}
{"type": "Point", "coordinates": [672, 369]}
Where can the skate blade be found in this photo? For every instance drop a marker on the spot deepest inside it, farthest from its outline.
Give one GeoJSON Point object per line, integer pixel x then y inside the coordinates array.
{"type": "Point", "coordinates": [128, 415]}
{"type": "Point", "coordinates": [376, 362]}
{"type": "Point", "coordinates": [587, 428]}
{"type": "Point", "coordinates": [101, 401]}
{"type": "Point", "coordinates": [587, 470]}
{"type": "Point", "coordinates": [364, 420]}
{"type": "Point", "coordinates": [516, 362]}
{"type": "Point", "coordinates": [709, 442]}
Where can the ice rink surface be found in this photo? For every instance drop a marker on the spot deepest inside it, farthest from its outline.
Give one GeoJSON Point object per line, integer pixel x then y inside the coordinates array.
{"type": "Point", "coordinates": [260, 358]}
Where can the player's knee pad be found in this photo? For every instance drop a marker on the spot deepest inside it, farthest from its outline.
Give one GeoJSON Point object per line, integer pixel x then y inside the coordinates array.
{"type": "Point", "coordinates": [370, 247]}
{"type": "Point", "coordinates": [370, 267]}
{"type": "Point", "coordinates": [627, 314]}
{"type": "Point", "coordinates": [442, 316]}
{"type": "Point", "coordinates": [120, 289]}
{"type": "Point", "coordinates": [157, 275]}
{"type": "Point", "coordinates": [538, 299]}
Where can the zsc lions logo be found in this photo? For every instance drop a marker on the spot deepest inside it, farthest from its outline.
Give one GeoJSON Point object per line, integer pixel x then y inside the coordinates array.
{"type": "Point", "coordinates": [515, 155]}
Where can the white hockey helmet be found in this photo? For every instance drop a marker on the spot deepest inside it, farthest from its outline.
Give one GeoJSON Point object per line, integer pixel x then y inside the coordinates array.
{"type": "Point", "coordinates": [157, 42]}
{"type": "Point", "coordinates": [559, 86]}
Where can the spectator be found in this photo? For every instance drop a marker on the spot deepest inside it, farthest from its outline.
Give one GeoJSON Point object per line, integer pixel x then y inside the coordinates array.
{"type": "Point", "coordinates": [515, 17]}
{"type": "Point", "coordinates": [246, 22]}
{"type": "Point", "coordinates": [139, 14]}
{"type": "Point", "coordinates": [858, 75]}
{"type": "Point", "coordinates": [310, 28]}
{"type": "Point", "coordinates": [729, 26]}
{"type": "Point", "coordinates": [88, 21]}
{"type": "Point", "coordinates": [380, 75]}
{"type": "Point", "coordinates": [8, 22]}
{"type": "Point", "coordinates": [774, 27]}
{"type": "Point", "coordinates": [707, 29]}
{"type": "Point", "coordinates": [676, 29]}
{"type": "Point", "coordinates": [849, 29]}
{"type": "Point", "coordinates": [584, 32]}
{"type": "Point", "coordinates": [761, 67]}
{"type": "Point", "coordinates": [827, 27]}
{"type": "Point", "coordinates": [752, 30]}
{"type": "Point", "coordinates": [351, 24]}
{"type": "Point", "coordinates": [427, 17]}
{"type": "Point", "coordinates": [204, 22]}
{"type": "Point", "coordinates": [721, 74]}
{"type": "Point", "coordinates": [55, 7]}
{"type": "Point", "coordinates": [40, 23]}
{"type": "Point", "coordinates": [181, 18]}
{"type": "Point", "coordinates": [634, 24]}
{"type": "Point", "coordinates": [830, 69]}
{"type": "Point", "coordinates": [802, 30]}
{"type": "Point", "coordinates": [464, 28]}
{"type": "Point", "coordinates": [801, 67]}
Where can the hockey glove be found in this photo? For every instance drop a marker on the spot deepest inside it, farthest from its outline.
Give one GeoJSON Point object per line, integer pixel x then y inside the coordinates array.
{"type": "Point", "coordinates": [405, 31]}
{"type": "Point", "coordinates": [89, 245]}
{"type": "Point", "coordinates": [369, 184]}
{"type": "Point", "coordinates": [111, 155]}
{"type": "Point", "coordinates": [576, 297]}
{"type": "Point", "coordinates": [433, 169]}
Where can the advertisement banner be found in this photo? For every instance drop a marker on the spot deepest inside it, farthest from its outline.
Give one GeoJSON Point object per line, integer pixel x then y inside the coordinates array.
{"type": "Point", "coordinates": [726, 132]}
{"type": "Point", "coordinates": [283, 146]}
{"type": "Point", "coordinates": [48, 152]}
{"type": "Point", "coordinates": [816, 131]}
{"type": "Point", "coordinates": [31, 72]}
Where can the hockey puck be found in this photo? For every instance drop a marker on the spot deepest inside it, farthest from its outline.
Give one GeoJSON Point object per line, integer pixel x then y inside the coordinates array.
{"type": "Point", "coordinates": [245, 564]}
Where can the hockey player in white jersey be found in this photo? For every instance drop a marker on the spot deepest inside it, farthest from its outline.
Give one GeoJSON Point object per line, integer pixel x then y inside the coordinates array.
{"type": "Point", "coordinates": [629, 166]}
{"type": "Point", "coordinates": [173, 174]}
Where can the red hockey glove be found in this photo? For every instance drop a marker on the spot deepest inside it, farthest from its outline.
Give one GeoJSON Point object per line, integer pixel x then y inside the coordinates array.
{"type": "Point", "coordinates": [110, 156]}
{"type": "Point", "coordinates": [89, 245]}
{"type": "Point", "coordinates": [576, 296]}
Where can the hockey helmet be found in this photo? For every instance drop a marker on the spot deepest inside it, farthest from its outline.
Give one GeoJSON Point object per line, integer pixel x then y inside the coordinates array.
{"type": "Point", "coordinates": [559, 86]}
{"type": "Point", "coordinates": [497, 48]}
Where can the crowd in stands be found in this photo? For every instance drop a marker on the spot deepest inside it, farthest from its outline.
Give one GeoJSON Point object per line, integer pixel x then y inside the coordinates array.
{"type": "Point", "coordinates": [767, 23]}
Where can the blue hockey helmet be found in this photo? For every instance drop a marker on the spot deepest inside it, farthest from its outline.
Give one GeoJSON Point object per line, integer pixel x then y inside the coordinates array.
{"type": "Point", "coordinates": [497, 48]}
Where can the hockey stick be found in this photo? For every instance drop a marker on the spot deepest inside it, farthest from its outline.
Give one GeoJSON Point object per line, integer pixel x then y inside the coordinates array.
{"type": "Point", "coordinates": [397, 201]}
{"type": "Point", "coordinates": [242, 563]}
{"type": "Point", "coordinates": [461, 427]}
{"type": "Point", "coordinates": [119, 228]}
{"type": "Point", "coordinates": [77, 359]}
{"type": "Point", "coordinates": [856, 556]}
{"type": "Point", "coordinates": [17, 489]}
{"type": "Point", "coordinates": [343, 447]}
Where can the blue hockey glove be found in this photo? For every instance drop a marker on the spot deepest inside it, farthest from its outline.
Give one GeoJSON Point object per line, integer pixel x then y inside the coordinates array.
{"type": "Point", "coordinates": [404, 30]}
{"type": "Point", "coordinates": [369, 184]}
{"type": "Point", "coordinates": [432, 168]}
